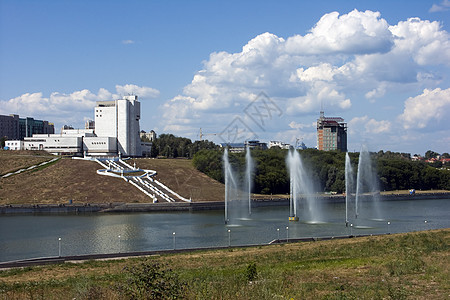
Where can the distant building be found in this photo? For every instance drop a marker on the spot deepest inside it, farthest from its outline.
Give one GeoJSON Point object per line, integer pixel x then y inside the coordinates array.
{"type": "Point", "coordinates": [15, 128]}
{"type": "Point", "coordinates": [90, 124]}
{"type": "Point", "coordinates": [331, 133]}
{"type": "Point", "coordinates": [234, 147]}
{"type": "Point", "coordinates": [279, 144]}
{"type": "Point", "coordinates": [151, 136]}
{"type": "Point", "coordinates": [115, 131]}
{"type": "Point", "coordinates": [256, 144]}
{"type": "Point", "coordinates": [240, 147]}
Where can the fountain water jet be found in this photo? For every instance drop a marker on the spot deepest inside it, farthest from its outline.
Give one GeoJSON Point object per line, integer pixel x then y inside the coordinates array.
{"type": "Point", "coordinates": [299, 182]}
{"type": "Point", "coordinates": [366, 185]}
{"type": "Point", "coordinates": [248, 177]}
{"type": "Point", "coordinates": [348, 184]}
{"type": "Point", "coordinates": [230, 183]}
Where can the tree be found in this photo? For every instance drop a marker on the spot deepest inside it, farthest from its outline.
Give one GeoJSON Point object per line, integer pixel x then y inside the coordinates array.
{"type": "Point", "coordinates": [431, 154]}
{"type": "Point", "coordinates": [3, 139]}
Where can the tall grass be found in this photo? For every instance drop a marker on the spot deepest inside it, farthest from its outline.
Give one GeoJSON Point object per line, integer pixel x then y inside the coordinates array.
{"type": "Point", "coordinates": [413, 265]}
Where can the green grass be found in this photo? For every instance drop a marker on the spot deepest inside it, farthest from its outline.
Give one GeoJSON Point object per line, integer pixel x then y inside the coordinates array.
{"type": "Point", "coordinates": [403, 266]}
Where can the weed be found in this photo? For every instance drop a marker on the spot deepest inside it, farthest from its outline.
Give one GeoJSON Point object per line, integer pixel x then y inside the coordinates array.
{"type": "Point", "coordinates": [251, 273]}
{"type": "Point", "coordinates": [151, 281]}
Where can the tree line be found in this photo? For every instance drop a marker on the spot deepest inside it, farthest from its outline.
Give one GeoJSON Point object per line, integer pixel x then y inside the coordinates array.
{"type": "Point", "coordinates": [171, 146]}
{"type": "Point", "coordinates": [326, 169]}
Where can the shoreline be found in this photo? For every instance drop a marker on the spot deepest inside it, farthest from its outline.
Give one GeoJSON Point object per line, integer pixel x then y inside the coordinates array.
{"type": "Point", "coordinates": [121, 207]}
{"type": "Point", "coordinates": [123, 255]}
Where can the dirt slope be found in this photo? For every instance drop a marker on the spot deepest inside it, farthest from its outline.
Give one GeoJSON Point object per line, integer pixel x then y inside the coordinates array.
{"type": "Point", "coordinates": [77, 180]}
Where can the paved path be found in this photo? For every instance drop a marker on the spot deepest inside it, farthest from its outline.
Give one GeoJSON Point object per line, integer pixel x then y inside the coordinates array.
{"type": "Point", "coordinates": [30, 168]}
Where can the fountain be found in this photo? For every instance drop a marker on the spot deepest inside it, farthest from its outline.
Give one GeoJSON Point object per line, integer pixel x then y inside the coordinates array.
{"type": "Point", "coordinates": [230, 183]}
{"type": "Point", "coordinates": [300, 183]}
{"type": "Point", "coordinates": [237, 195]}
{"type": "Point", "coordinates": [348, 185]}
{"type": "Point", "coordinates": [366, 184]}
{"type": "Point", "coordinates": [248, 177]}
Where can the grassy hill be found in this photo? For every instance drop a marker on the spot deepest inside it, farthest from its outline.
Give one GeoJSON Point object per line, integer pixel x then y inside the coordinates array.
{"type": "Point", "coordinates": [77, 180]}
{"type": "Point", "coordinates": [401, 266]}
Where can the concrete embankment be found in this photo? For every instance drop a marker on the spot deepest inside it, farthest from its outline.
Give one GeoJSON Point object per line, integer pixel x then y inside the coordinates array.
{"type": "Point", "coordinates": [185, 206]}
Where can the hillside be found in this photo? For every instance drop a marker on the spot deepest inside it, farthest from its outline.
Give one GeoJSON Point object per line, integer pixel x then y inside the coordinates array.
{"type": "Point", "coordinates": [68, 179]}
{"type": "Point", "coordinates": [184, 178]}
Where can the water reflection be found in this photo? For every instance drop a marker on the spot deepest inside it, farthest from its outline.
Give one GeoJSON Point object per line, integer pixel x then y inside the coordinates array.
{"type": "Point", "coordinates": [29, 236]}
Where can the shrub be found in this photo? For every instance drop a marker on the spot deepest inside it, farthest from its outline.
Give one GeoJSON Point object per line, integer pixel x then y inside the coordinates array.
{"type": "Point", "coordinates": [251, 273]}
{"type": "Point", "coordinates": [152, 281]}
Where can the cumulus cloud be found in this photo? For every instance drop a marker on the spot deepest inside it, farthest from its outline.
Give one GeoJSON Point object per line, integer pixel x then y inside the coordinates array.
{"type": "Point", "coordinates": [423, 41]}
{"type": "Point", "coordinates": [342, 60]}
{"type": "Point", "coordinates": [429, 108]}
{"type": "Point", "coordinates": [368, 126]}
{"type": "Point", "coordinates": [443, 6]}
{"type": "Point", "coordinates": [355, 32]}
{"type": "Point", "coordinates": [62, 108]}
{"type": "Point", "coordinates": [142, 91]}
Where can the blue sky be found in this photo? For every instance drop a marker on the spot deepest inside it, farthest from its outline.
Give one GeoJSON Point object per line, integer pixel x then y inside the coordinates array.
{"type": "Point", "coordinates": [381, 65]}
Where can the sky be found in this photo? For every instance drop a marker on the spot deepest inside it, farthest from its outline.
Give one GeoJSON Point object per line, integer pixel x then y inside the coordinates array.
{"type": "Point", "coordinates": [238, 70]}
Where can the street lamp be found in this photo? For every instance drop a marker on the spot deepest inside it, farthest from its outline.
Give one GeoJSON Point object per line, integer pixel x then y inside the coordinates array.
{"type": "Point", "coordinates": [388, 223]}
{"type": "Point", "coordinates": [351, 229]}
{"type": "Point", "coordinates": [229, 238]}
{"type": "Point", "coordinates": [119, 245]}
{"type": "Point", "coordinates": [278, 233]}
{"type": "Point", "coordinates": [174, 241]}
{"type": "Point", "coordinates": [287, 234]}
{"type": "Point", "coordinates": [59, 247]}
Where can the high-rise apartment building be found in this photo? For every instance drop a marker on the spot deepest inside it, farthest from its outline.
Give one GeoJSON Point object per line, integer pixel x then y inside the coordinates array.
{"type": "Point", "coordinates": [331, 133]}
{"type": "Point", "coordinates": [15, 128]}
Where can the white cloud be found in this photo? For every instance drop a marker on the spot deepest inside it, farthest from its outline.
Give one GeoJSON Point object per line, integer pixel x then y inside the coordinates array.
{"type": "Point", "coordinates": [443, 6]}
{"type": "Point", "coordinates": [428, 109]}
{"type": "Point", "coordinates": [365, 126]}
{"type": "Point", "coordinates": [142, 91]}
{"type": "Point", "coordinates": [377, 92]}
{"type": "Point", "coordinates": [344, 59]}
{"type": "Point", "coordinates": [424, 41]}
{"type": "Point", "coordinates": [128, 42]}
{"type": "Point", "coordinates": [66, 109]}
{"type": "Point", "coordinates": [355, 32]}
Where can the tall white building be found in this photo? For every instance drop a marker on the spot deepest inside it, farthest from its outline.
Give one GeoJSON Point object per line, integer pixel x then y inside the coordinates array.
{"type": "Point", "coordinates": [120, 119]}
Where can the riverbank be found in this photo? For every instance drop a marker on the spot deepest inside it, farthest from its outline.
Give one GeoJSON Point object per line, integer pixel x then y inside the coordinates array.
{"type": "Point", "coordinates": [120, 207]}
{"type": "Point", "coordinates": [398, 266]}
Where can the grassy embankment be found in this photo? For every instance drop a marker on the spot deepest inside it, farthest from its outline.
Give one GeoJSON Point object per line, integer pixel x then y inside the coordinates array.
{"type": "Point", "coordinates": [402, 266]}
{"type": "Point", "coordinates": [66, 179]}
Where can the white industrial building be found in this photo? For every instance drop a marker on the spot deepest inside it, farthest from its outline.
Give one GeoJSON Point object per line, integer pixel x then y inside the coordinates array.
{"type": "Point", "coordinates": [116, 133]}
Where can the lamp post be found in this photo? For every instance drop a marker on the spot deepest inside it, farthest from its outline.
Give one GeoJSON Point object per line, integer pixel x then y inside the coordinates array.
{"type": "Point", "coordinates": [174, 241]}
{"type": "Point", "coordinates": [278, 234]}
{"type": "Point", "coordinates": [59, 247]}
{"type": "Point", "coordinates": [119, 244]}
{"type": "Point", "coordinates": [229, 238]}
{"type": "Point", "coordinates": [287, 234]}
{"type": "Point", "coordinates": [351, 229]}
{"type": "Point", "coordinates": [388, 223]}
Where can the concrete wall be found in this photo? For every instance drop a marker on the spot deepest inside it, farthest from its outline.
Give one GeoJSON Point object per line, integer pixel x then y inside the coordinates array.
{"type": "Point", "coordinates": [100, 145]}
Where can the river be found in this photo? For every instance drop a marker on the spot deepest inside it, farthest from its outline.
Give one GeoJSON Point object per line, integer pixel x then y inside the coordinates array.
{"type": "Point", "coordinates": [33, 236]}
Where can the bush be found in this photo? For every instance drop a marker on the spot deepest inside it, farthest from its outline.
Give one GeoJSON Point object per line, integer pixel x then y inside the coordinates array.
{"type": "Point", "coordinates": [152, 281]}
{"type": "Point", "coordinates": [251, 273]}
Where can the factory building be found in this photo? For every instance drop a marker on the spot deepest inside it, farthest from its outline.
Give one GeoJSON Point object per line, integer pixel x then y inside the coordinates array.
{"type": "Point", "coordinates": [331, 133]}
